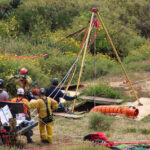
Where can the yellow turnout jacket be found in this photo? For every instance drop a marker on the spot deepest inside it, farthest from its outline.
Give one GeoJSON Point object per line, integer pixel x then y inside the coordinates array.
{"type": "Point", "coordinates": [40, 105]}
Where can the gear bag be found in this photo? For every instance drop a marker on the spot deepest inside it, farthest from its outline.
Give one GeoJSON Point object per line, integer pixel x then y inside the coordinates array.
{"type": "Point", "coordinates": [49, 117]}
{"type": "Point", "coordinates": [98, 137]}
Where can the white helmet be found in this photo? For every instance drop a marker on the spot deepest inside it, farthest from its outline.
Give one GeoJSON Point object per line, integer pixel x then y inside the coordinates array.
{"type": "Point", "coordinates": [20, 91]}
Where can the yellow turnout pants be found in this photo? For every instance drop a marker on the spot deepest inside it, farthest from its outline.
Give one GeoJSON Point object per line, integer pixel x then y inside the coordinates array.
{"type": "Point", "coordinates": [46, 131]}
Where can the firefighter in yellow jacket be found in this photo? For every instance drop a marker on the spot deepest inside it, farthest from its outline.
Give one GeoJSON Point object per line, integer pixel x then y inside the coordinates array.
{"type": "Point", "coordinates": [43, 106]}
{"type": "Point", "coordinates": [22, 80]}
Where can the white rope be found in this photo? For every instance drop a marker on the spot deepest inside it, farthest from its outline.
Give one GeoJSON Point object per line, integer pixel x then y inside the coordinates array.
{"type": "Point", "coordinates": [69, 71]}
{"type": "Point", "coordinates": [58, 130]}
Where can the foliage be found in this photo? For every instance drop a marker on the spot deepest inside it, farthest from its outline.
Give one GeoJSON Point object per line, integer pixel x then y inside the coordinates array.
{"type": "Point", "coordinates": [145, 131]}
{"type": "Point", "coordinates": [146, 119]}
{"type": "Point", "coordinates": [141, 53]}
{"type": "Point", "coordinates": [123, 30]}
{"type": "Point", "coordinates": [103, 91]}
{"type": "Point", "coordinates": [131, 130]}
{"type": "Point", "coordinates": [100, 122]}
{"type": "Point", "coordinates": [11, 67]}
{"type": "Point", "coordinates": [33, 26]}
{"type": "Point", "coordinates": [52, 15]}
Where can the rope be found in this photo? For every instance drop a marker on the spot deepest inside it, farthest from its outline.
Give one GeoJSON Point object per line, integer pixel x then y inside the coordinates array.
{"type": "Point", "coordinates": [82, 64]}
{"type": "Point", "coordinates": [43, 55]}
{"type": "Point", "coordinates": [81, 48]}
{"type": "Point", "coordinates": [95, 36]}
{"type": "Point", "coordinates": [69, 71]}
{"type": "Point", "coordinates": [73, 136]}
{"type": "Point", "coordinates": [62, 82]}
{"type": "Point", "coordinates": [118, 58]}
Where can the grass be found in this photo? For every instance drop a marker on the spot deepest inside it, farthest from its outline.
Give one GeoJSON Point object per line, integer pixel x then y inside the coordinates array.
{"type": "Point", "coordinates": [131, 130]}
{"type": "Point", "coordinates": [145, 131]}
{"type": "Point", "coordinates": [102, 90]}
{"type": "Point", "coordinates": [146, 119]}
{"type": "Point", "coordinates": [71, 132]}
{"type": "Point", "coordinates": [85, 148]}
{"type": "Point", "coordinates": [100, 122]}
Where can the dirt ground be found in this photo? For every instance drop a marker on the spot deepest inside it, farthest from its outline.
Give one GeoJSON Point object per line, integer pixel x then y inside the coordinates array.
{"type": "Point", "coordinates": [69, 132]}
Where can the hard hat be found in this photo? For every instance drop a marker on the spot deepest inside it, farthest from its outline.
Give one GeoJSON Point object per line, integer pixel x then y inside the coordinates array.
{"type": "Point", "coordinates": [23, 71]}
{"type": "Point", "coordinates": [36, 91]}
{"type": "Point", "coordinates": [55, 81]}
{"type": "Point", "coordinates": [20, 91]}
{"type": "Point", "coordinates": [1, 82]}
{"type": "Point", "coordinates": [42, 91]}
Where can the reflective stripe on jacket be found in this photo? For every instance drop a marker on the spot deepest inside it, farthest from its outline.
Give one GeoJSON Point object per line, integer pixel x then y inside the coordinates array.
{"type": "Point", "coordinates": [41, 106]}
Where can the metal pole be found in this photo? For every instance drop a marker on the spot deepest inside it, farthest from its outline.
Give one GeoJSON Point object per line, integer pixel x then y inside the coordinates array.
{"type": "Point", "coordinates": [83, 59]}
{"type": "Point", "coordinates": [118, 58]}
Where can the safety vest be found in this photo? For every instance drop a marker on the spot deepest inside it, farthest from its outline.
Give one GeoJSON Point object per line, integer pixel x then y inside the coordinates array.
{"type": "Point", "coordinates": [21, 100]}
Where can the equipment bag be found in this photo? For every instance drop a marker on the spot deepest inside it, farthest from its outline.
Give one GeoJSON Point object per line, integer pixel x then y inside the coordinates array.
{"type": "Point", "coordinates": [98, 137]}
{"type": "Point", "coordinates": [49, 117]}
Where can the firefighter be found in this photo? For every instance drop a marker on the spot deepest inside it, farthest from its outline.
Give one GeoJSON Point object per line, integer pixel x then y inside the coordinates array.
{"type": "Point", "coordinates": [3, 94]}
{"type": "Point", "coordinates": [56, 93]}
{"type": "Point", "coordinates": [22, 80]}
{"type": "Point", "coordinates": [21, 99]}
{"type": "Point", "coordinates": [43, 106]}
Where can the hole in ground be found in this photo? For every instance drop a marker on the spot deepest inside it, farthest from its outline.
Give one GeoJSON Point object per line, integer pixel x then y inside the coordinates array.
{"type": "Point", "coordinates": [87, 106]}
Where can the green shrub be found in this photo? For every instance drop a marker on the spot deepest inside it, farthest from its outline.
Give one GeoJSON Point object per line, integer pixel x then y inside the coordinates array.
{"type": "Point", "coordinates": [53, 14]}
{"type": "Point", "coordinates": [145, 131]}
{"type": "Point", "coordinates": [10, 67]}
{"type": "Point", "coordinates": [103, 91]}
{"type": "Point", "coordinates": [100, 122]}
{"type": "Point", "coordinates": [131, 130]}
{"type": "Point", "coordinates": [146, 119]}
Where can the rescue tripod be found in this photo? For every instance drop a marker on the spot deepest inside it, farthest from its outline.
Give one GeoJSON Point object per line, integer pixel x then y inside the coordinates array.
{"type": "Point", "coordinates": [85, 46]}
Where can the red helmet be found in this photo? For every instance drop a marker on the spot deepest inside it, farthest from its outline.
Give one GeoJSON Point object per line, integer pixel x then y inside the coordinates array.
{"type": "Point", "coordinates": [36, 91]}
{"type": "Point", "coordinates": [23, 71]}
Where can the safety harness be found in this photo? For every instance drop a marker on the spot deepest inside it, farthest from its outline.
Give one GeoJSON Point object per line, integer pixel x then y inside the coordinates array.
{"type": "Point", "coordinates": [23, 84]}
{"type": "Point", "coordinates": [49, 117]}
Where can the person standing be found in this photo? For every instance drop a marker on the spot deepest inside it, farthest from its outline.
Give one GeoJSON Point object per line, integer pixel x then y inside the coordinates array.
{"type": "Point", "coordinates": [23, 80]}
{"type": "Point", "coordinates": [44, 107]}
{"type": "Point", "coordinates": [3, 94]}
{"type": "Point", "coordinates": [56, 93]}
